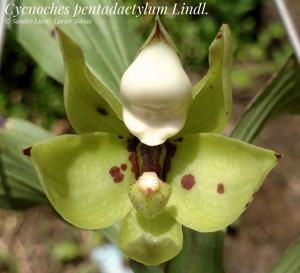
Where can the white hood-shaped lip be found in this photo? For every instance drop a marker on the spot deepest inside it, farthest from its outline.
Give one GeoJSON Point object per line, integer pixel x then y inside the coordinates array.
{"type": "Point", "coordinates": [156, 93]}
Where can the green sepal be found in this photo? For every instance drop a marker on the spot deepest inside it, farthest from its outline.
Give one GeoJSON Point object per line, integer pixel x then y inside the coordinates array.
{"type": "Point", "coordinates": [150, 241]}
{"type": "Point", "coordinates": [214, 178]}
{"type": "Point", "coordinates": [90, 106]}
{"type": "Point", "coordinates": [212, 95]}
{"type": "Point", "coordinates": [77, 176]}
{"type": "Point", "coordinates": [159, 33]}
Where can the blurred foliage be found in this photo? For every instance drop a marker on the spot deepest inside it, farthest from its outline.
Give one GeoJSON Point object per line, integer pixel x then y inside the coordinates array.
{"type": "Point", "coordinates": [7, 263]}
{"type": "Point", "coordinates": [25, 90]}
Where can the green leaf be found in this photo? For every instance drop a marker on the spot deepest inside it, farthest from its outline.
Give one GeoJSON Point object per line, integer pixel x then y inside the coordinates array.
{"type": "Point", "coordinates": [201, 253]}
{"type": "Point", "coordinates": [214, 178]}
{"type": "Point", "coordinates": [108, 43]}
{"type": "Point", "coordinates": [282, 95]}
{"type": "Point", "coordinates": [150, 241]}
{"type": "Point", "coordinates": [289, 261]}
{"type": "Point", "coordinates": [19, 185]}
{"type": "Point", "coordinates": [89, 105]}
{"type": "Point", "coordinates": [82, 178]}
{"type": "Point", "coordinates": [211, 106]}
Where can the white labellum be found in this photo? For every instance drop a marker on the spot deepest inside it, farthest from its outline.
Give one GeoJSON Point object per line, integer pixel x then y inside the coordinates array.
{"type": "Point", "coordinates": [156, 94]}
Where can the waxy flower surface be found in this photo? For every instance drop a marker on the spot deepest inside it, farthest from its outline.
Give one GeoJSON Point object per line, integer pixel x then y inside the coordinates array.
{"type": "Point", "coordinates": [163, 167]}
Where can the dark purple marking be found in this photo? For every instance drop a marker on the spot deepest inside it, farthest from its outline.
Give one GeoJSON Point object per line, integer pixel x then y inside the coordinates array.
{"type": "Point", "coordinates": [151, 159]}
{"type": "Point", "coordinates": [278, 156]}
{"type": "Point", "coordinates": [134, 164]}
{"type": "Point", "coordinates": [188, 181]}
{"type": "Point", "coordinates": [27, 151]}
{"type": "Point", "coordinates": [123, 166]}
{"type": "Point", "coordinates": [219, 35]}
{"type": "Point", "coordinates": [171, 150]}
{"type": "Point", "coordinates": [220, 188]}
{"type": "Point", "coordinates": [102, 111]}
{"type": "Point", "coordinates": [116, 174]}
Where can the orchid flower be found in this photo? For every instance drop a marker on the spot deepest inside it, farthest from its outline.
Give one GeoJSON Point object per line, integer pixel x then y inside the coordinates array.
{"type": "Point", "coordinates": [151, 159]}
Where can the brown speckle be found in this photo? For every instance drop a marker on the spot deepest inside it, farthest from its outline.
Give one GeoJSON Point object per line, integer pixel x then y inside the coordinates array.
{"type": "Point", "coordinates": [116, 174]}
{"type": "Point", "coordinates": [118, 178]}
{"type": "Point", "coordinates": [124, 167]}
{"type": "Point", "coordinates": [188, 181]}
{"type": "Point", "coordinates": [219, 35]}
{"type": "Point", "coordinates": [102, 111]}
{"type": "Point", "coordinates": [120, 137]}
{"type": "Point", "coordinates": [278, 156]}
{"type": "Point", "coordinates": [27, 151]}
{"type": "Point", "coordinates": [220, 188]}
{"type": "Point", "coordinates": [247, 205]}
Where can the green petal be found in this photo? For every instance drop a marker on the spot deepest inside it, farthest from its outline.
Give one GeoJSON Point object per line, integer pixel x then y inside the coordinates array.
{"type": "Point", "coordinates": [150, 241]}
{"type": "Point", "coordinates": [211, 105]}
{"type": "Point", "coordinates": [159, 32]}
{"type": "Point", "coordinates": [75, 173]}
{"type": "Point", "coordinates": [90, 106]}
{"type": "Point", "coordinates": [214, 178]}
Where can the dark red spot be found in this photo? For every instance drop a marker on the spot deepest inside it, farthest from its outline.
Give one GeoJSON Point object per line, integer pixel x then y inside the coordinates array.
{"type": "Point", "coordinates": [102, 111]}
{"type": "Point", "coordinates": [118, 178]}
{"type": "Point", "coordinates": [220, 188]}
{"type": "Point", "coordinates": [27, 151]}
{"type": "Point", "coordinates": [124, 167]}
{"type": "Point", "coordinates": [219, 36]}
{"type": "Point", "coordinates": [116, 174]}
{"type": "Point", "coordinates": [188, 181]}
{"type": "Point", "coordinates": [278, 156]}
{"type": "Point", "coordinates": [134, 164]}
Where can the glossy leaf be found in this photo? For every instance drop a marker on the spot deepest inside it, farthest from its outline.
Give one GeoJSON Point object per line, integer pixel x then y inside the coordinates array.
{"type": "Point", "coordinates": [211, 106]}
{"type": "Point", "coordinates": [282, 95]}
{"type": "Point", "coordinates": [108, 43]}
{"type": "Point", "coordinates": [289, 261]}
{"type": "Point", "coordinates": [150, 241]}
{"type": "Point", "coordinates": [89, 107]}
{"type": "Point", "coordinates": [19, 185]}
{"type": "Point", "coordinates": [214, 178]}
{"type": "Point", "coordinates": [82, 178]}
